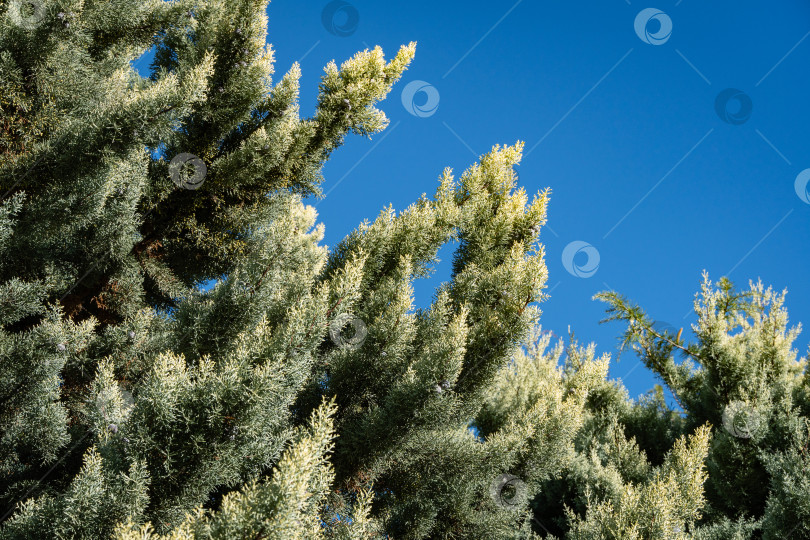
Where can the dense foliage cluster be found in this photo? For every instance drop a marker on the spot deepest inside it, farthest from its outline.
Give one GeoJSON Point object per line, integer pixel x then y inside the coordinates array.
{"type": "Point", "coordinates": [301, 394]}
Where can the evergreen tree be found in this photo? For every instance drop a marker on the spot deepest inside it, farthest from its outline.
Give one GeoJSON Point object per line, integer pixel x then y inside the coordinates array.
{"type": "Point", "coordinates": [302, 395]}
{"type": "Point", "coordinates": [127, 393]}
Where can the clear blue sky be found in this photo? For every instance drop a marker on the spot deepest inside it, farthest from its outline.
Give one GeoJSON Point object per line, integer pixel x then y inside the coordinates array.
{"type": "Point", "coordinates": [626, 133]}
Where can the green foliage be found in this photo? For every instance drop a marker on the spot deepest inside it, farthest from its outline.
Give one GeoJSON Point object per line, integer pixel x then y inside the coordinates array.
{"type": "Point", "coordinates": [135, 403]}
{"type": "Point", "coordinates": [665, 506]}
{"type": "Point", "coordinates": [742, 376]}
{"type": "Point", "coordinates": [285, 507]}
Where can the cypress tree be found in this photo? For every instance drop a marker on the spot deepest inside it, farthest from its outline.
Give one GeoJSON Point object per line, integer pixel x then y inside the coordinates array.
{"type": "Point", "coordinates": [181, 357]}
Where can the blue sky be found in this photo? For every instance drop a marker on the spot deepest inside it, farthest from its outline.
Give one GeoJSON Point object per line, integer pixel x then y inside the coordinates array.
{"type": "Point", "coordinates": [623, 126]}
